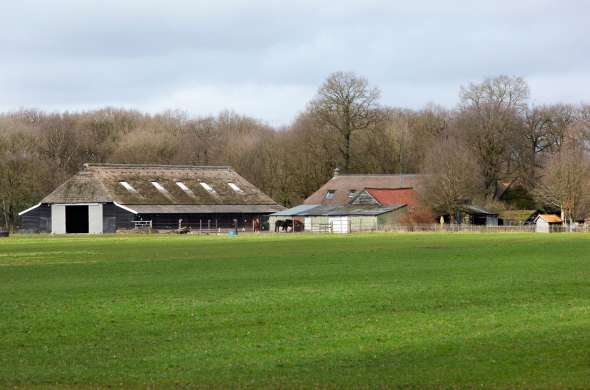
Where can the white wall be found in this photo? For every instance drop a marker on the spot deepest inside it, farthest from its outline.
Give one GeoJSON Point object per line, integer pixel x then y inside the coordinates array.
{"type": "Point", "coordinates": [58, 219]}
{"type": "Point", "coordinates": [542, 226]}
{"type": "Point", "coordinates": [95, 219]}
{"type": "Point", "coordinates": [340, 224]}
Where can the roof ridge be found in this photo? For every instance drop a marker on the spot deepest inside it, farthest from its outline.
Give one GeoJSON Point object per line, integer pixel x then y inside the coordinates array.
{"type": "Point", "coordinates": [159, 166]}
{"type": "Point", "coordinates": [378, 174]}
{"type": "Point", "coordinates": [389, 188]}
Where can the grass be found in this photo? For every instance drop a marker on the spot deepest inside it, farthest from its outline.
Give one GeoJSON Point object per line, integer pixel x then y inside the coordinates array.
{"type": "Point", "coordinates": [438, 310]}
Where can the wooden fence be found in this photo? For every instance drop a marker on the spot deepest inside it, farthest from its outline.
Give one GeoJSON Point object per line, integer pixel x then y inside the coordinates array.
{"type": "Point", "coordinates": [458, 228]}
{"type": "Point", "coordinates": [447, 228]}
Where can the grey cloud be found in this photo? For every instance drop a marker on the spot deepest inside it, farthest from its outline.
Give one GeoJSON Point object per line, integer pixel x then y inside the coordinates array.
{"type": "Point", "coordinates": [161, 55]}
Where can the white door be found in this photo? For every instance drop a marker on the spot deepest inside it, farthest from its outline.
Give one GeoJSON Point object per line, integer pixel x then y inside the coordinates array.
{"type": "Point", "coordinates": [95, 219]}
{"type": "Point", "coordinates": [58, 219]}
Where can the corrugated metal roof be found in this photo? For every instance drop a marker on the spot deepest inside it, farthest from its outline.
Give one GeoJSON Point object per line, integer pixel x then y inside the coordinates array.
{"type": "Point", "coordinates": [294, 211]}
{"type": "Point", "coordinates": [203, 209]}
{"type": "Point", "coordinates": [358, 210]}
{"type": "Point", "coordinates": [473, 209]}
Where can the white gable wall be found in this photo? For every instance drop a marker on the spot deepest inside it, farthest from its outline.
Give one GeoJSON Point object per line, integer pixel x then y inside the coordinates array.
{"type": "Point", "coordinates": [95, 218]}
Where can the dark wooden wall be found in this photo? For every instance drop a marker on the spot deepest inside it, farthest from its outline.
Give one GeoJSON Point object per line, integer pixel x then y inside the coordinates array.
{"type": "Point", "coordinates": [37, 220]}
{"type": "Point", "coordinates": [114, 218]}
{"type": "Point", "coordinates": [202, 221]}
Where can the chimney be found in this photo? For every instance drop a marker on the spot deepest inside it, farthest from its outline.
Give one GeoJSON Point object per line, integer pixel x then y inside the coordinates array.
{"type": "Point", "coordinates": [336, 171]}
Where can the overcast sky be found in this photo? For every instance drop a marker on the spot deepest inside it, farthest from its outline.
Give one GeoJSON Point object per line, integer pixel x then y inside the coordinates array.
{"type": "Point", "coordinates": [267, 58]}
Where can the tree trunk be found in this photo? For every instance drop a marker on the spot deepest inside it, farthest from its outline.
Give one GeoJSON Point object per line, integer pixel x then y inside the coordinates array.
{"type": "Point", "coordinates": [347, 153]}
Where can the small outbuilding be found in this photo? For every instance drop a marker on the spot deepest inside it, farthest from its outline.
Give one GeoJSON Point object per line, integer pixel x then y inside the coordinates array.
{"type": "Point", "coordinates": [470, 214]}
{"type": "Point", "coordinates": [351, 218]}
{"type": "Point", "coordinates": [547, 223]}
{"type": "Point", "coordinates": [282, 220]}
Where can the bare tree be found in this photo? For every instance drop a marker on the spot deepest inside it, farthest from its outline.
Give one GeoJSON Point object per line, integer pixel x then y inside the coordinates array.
{"type": "Point", "coordinates": [346, 103]}
{"type": "Point", "coordinates": [451, 177]}
{"type": "Point", "coordinates": [491, 118]}
{"type": "Point", "coordinates": [565, 183]}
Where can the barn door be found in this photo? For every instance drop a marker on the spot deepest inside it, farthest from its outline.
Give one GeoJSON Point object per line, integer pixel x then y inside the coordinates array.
{"type": "Point", "coordinates": [77, 219]}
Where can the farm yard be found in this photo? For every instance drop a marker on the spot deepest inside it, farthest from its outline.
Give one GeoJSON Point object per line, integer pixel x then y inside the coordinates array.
{"type": "Point", "coordinates": [368, 310]}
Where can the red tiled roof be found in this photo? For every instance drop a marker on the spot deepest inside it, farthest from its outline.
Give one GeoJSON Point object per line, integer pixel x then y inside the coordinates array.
{"type": "Point", "coordinates": [394, 196]}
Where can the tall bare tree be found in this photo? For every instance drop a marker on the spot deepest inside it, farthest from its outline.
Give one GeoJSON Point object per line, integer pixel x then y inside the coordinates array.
{"type": "Point", "coordinates": [491, 121]}
{"type": "Point", "coordinates": [346, 103]}
{"type": "Point", "coordinates": [451, 177]}
{"type": "Point", "coordinates": [565, 183]}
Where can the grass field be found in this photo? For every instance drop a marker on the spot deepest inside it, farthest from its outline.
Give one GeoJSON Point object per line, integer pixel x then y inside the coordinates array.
{"type": "Point", "coordinates": [459, 310]}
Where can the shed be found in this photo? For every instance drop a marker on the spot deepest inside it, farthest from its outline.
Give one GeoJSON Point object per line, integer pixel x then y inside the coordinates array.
{"type": "Point", "coordinates": [351, 218]}
{"type": "Point", "coordinates": [292, 214]}
{"type": "Point", "coordinates": [546, 223]}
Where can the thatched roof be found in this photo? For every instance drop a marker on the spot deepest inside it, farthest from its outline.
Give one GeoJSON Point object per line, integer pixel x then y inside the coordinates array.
{"type": "Point", "coordinates": [342, 185]}
{"type": "Point", "coordinates": [102, 183]}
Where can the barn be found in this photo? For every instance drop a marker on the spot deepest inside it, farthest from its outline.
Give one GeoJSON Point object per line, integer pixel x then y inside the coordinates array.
{"type": "Point", "coordinates": [105, 198]}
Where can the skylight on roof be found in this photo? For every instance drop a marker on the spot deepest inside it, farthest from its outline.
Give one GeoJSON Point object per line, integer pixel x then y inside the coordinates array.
{"type": "Point", "coordinates": [127, 186]}
{"type": "Point", "coordinates": [234, 187]}
{"type": "Point", "coordinates": [207, 187]}
{"type": "Point", "coordinates": [185, 188]}
{"type": "Point", "coordinates": [329, 195]}
{"type": "Point", "coordinates": [159, 187]}
{"type": "Point", "coordinates": [182, 186]}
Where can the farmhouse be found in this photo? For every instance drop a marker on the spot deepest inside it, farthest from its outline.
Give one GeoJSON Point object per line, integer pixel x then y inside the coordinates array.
{"type": "Point", "coordinates": [104, 198]}
{"type": "Point", "coordinates": [354, 202]}
{"type": "Point", "coordinates": [342, 188]}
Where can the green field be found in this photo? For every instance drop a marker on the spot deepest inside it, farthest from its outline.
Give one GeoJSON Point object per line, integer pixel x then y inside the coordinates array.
{"type": "Point", "coordinates": [444, 310]}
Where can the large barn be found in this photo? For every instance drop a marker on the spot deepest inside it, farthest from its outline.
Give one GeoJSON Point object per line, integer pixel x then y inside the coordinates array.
{"type": "Point", "coordinates": [104, 198]}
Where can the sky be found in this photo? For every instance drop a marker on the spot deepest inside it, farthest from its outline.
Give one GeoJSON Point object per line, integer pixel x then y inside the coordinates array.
{"type": "Point", "coordinates": [266, 59]}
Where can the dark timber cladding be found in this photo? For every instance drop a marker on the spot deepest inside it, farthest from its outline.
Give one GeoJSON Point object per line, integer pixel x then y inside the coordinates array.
{"type": "Point", "coordinates": [104, 198]}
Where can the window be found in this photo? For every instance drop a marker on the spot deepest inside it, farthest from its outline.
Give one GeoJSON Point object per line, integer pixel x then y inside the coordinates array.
{"type": "Point", "coordinates": [329, 195]}
{"type": "Point", "coordinates": [186, 190]}
{"type": "Point", "coordinates": [207, 187]}
{"type": "Point", "coordinates": [182, 186]}
{"type": "Point", "coordinates": [235, 187]}
{"type": "Point", "coordinates": [158, 186]}
{"type": "Point", "coordinates": [351, 193]}
{"type": "Point", "coordinates": [127, 186]}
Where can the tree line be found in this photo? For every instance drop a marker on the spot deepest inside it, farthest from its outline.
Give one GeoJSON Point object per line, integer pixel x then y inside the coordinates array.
{"type": "Point", "coordinates": [494, 134]}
